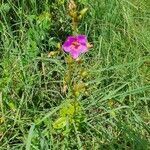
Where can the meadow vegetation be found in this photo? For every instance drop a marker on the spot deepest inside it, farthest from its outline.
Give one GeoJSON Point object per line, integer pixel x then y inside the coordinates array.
{"type": "Point", "coordinates": [116, 102]}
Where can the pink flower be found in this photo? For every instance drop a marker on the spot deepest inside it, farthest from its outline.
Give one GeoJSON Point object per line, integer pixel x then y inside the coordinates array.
{"type": "Point", "coordinates": [76, 45]}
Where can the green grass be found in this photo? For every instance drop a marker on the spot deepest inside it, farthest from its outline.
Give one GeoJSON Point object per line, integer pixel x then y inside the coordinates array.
{"type": "Point", "coordinates": [117, 106]}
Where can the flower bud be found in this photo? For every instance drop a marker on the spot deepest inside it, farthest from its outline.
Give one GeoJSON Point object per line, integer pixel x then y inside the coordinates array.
{"type": "Point", "coordinates": [82, 12]}
{"type": "Point", "coordinates": [72, 6]}
{"type": "Point", "coordinates": [79, 88]}
{"type": "Point", "coordinates": [69, 60]}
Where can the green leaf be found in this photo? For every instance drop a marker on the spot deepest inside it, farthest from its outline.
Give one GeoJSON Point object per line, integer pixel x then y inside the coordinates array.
{"type": "Point", "coordinates": [83, 2]}
{"type": "Point", "coordinates": [60, 123]}
{"type": "Point", "coordinates": [61, 2]}
{"type": "Point", "coordinates": [44, 20]}
{"type": "Point", "coordinates": [12, 106]}
{"type": "Point", "coordinates": [30, 135]}
{"type": "Point", "coordinates": [1, 27]}
{"type": "Point", "coordinates": [67, 110]}
{"type": "Point", "coordinates": [5, 7]}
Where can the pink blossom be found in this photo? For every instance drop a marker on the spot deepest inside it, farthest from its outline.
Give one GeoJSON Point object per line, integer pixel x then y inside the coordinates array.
{"type": "Point", "coordinates": [75, 45]}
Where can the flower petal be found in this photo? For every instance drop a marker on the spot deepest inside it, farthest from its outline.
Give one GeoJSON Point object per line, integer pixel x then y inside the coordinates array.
{"type": "Point", "coordinates": [82, 39]}
{"type": "Point", "coordinates": [71, 39]}
{"type": "Point", "coordinates": [66, 47]}
{"type": "Point", "coordinates": [75, 54]}
{"type": "Point", "coordinates": [67, 43]}
{"type": "Point", "coordinates": [83, 48]}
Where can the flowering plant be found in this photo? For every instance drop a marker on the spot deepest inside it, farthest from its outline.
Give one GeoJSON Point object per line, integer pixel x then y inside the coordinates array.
{"type": "Point", "coordinates": [75, 45]}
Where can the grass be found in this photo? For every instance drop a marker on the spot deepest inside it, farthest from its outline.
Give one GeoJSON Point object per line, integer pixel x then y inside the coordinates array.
{"type": "Point", "coordinates": [117, 105]}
